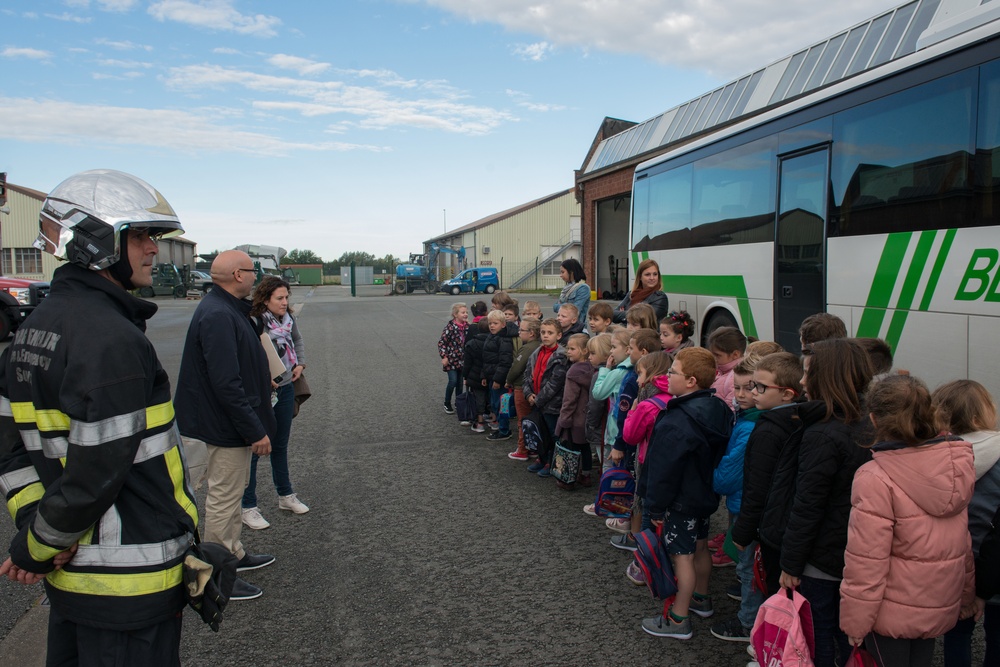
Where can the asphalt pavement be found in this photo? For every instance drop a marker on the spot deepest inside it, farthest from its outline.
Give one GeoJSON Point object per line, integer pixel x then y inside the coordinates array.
{"type": "Point", "coordinates": [425, 544]}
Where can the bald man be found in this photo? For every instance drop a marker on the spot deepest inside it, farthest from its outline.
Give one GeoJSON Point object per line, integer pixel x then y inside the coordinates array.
{"type": "Point", "coordinates": [223, 404]}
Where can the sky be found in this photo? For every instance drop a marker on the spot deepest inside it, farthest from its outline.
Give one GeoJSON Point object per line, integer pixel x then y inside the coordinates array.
{"type": "Point", "coordinates": [361, 125]}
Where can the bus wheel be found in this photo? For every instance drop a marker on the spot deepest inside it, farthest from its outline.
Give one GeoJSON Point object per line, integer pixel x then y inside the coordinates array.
{"type": "Point", "coordinates": [718, 319]}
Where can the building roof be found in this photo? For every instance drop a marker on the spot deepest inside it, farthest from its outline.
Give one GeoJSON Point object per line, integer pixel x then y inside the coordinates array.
{"type": "Point", "coordinates": [502, 215]}
{"type": "Point", "coordinates": [865, 46]}
{"type": "Point", "coordinates": [34, 194]}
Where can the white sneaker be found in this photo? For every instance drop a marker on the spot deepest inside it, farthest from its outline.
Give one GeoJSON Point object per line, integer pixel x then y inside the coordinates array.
{"type": "Point", "coordinates": [590, 509]}
{"type": "Point", "coordinates": [292, 504]}
{"type": "Point", "coordinates": [252, 518]}
{"type": "Point", "coordinates": [619, 525]}
{"type": "Point", "coordinates": [752, 651]}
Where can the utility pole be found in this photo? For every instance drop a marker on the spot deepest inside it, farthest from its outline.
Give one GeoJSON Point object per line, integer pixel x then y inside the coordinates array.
{"type": "Point", "coordinates": [445, 212]}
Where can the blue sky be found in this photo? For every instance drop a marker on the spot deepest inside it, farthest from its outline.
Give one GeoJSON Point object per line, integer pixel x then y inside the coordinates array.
{"type": "Point", "coordinates": [360, 124]}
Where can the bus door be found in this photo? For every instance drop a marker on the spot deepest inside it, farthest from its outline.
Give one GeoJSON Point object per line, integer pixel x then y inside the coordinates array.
{"type": "Point", "coordinates": [799, 248]}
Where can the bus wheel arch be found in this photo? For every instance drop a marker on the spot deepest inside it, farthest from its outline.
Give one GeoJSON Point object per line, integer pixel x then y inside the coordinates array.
{"type": "Point", "coordinates": [717, 316]}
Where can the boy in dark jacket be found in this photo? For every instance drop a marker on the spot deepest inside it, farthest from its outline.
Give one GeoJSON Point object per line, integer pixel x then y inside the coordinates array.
{"type": "Point", "coordinates": [689, 438]}
{"type": "Point", "coordinates": [472, 369]}
{"type": "Point", "coordinates": [544, 382]}
{"type": "Point", "coordinates": [498, 355]}
{"type": "Point", "coordinates": [529, 331]}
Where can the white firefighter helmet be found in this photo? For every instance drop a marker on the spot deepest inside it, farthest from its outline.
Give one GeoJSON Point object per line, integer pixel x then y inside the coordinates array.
{"type": "Point", "coordinates": [92, 208]}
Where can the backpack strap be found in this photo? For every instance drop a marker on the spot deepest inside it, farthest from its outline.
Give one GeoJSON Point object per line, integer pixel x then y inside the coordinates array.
{"type": "Point", "coordinates": [658, 401]}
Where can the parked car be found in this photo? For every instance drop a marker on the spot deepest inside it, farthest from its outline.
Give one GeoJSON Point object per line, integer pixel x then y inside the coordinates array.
{"type": "Point", "coordinates": [480, 279]}
{"type": "Point", "coordinates": [18, 297]}
{"type": "Point", "coordinates": [201, 281]}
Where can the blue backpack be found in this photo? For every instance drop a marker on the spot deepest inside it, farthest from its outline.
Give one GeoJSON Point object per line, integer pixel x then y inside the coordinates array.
{"type": "Point", "coordinates": [615, 493]}
{"type": "Point", "coordinates": [651, 557]}
{"type": "Point", "coordinates": [465, 406]}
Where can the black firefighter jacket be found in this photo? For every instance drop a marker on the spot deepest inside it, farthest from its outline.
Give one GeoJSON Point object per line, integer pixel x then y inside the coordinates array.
{"type": "Point", "coordinates": [94, 457]}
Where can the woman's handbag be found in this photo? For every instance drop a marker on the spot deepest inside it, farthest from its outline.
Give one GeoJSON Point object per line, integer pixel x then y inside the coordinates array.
{"type": "Point", "coordinates": [302, 393]}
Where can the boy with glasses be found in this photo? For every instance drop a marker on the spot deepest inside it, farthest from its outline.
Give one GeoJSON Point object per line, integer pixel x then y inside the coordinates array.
{"type": "Point", "coordinates": [689, 438]}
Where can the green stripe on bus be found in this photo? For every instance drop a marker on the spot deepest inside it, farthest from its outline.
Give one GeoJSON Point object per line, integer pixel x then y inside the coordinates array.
{"type": "Point", "coordinates": [722, 286]}
{"type": "Point", "coordinates": [882, 284]}
{"type": "Point", "coordinates": [949, 238]}
{"type": "Point", "coordinates": [638, 258]}
{"type": "Point", "coordinates": [909, 289]}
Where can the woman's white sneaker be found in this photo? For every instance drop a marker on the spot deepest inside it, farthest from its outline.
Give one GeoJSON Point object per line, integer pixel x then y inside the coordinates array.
{"type": "Point", "coordinates": [252, 518]}
{"type": "Point", "coordinates": [292, 504]}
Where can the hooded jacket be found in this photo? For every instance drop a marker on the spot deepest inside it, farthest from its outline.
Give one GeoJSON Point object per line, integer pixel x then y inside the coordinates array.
{"type": "Point", "coordinates": [472, 362]}
{"type": "Point", "coordinates": [498, 355]}
{"type": "Point", "coordinates": [909, 566]}
{"type": "Point", "coordinates": [728, 476]}
{"type": "Point", "coordinates": [689, 438]}
{"type": "Point", "coordinates": [572, 424]}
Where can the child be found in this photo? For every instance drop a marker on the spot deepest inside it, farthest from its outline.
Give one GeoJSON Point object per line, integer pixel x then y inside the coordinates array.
{"type": "Point", "coordinates": [544, 380]}
{"type": "Point", "coordinates": [572, 424]}
{"type": "Point", "coordinates": [908, 570]}
{"type": "Point", "coordinates": [609, 382]}
{"type": "Point", "coordinates": [532, 311]}
{"type": "Point", "coordinates": [510, 312]}
{"type": "Point", "coordinates": [652, 378]}
{"type": "Point", "coordinates": [472, 369]}
{"type": "Point", "coordinates": [528, 332]}
{"type": "Point", "coordinates": [688, 440]}
{"type": "Point", "coordinates": [676, 330]}
{"type": "Point", "coordinates": [498, 355]}
{"type": "Point", "coordinates": [835, 375]}
{"type": "Point", "coordinates": [727, 345]}
{"type": "Point", "coordinates": [478, 311]}
{"type": "Point", "coordinates": [965, 408]}
{"type": "Point", "coordinates": [569, 322]}
{"type": "Point", "coordinates": [879, 353]}
{"type": "Point", "coordinates": [451, 347]}
{"type": "Point", "coordinates": [779, 375]}
{"type": "Point", "coordinates": [820, 326]}
{"type": "Point", "coordinates": [599, 348]}
{"type": "Point", "coordinates": [641, 316]}
{"type": "Point", "coordinates": [599, 317]}
{"type": "Point", "coordinates": [501, 300]}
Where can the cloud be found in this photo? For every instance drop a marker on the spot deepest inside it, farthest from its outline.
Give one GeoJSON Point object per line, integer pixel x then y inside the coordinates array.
{"type": "Point", "coordinates": [432, 105]}
{"type": "Point", "coordinates": [25, 52]}
{"type": "Point", "coordinates": [123, 46]}
{"type": "Point", "coordinates": [116, 5]}
{"type": "Point", "coordinates": [50, 121]}
{"type": "Point", "coordinates": [225, 50]}
{"type": "Point", "coordinates": [303, 66]}
{"type": "Point", "coordinates": [214, 15]}
{"type": "Point", "coordinates": [69, 18]}
{"type": "Point", "coordinates": [537, 51]}
{"type": "Point", "coordinates": [124, 64]}
{"type": "Point", "coordinates": [717, 36]}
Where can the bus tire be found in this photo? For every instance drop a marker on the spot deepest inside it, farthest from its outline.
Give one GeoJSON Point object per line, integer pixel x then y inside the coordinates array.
{"type": "Point", "coordinates": [720, 318]}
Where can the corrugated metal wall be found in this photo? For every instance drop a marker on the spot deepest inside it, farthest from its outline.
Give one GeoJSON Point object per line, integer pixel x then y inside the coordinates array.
{"type": "Point", "coordinates": [20, 229]}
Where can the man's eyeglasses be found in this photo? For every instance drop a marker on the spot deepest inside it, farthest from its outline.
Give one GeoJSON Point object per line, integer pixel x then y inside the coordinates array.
{"type": "Point", "coordinates": [760, 387]}
{"type": "Point", "coordinates": [250, 270]}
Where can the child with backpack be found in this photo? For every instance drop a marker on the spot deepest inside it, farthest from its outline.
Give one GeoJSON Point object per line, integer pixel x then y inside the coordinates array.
{"type": "Point", "coordinates": [528, 332]}
{"type": "Point", "coordinates": [608, 383]}
{"type": "Point", "coordinates": [599, 348]}
{"type": "Point", "coordinates": [498, 355]}
{"type": "Point", "coordinates": [727, 345]}
{"type": "Point", "coordinates": [676, 330]}
{"type": "Point", "coordinates": [451, 347]}
{"type": "Point", "coordinates": [571, 427]}
{"type": "Point", "coordinates": [689, 438]}
{"type": "Point", "coordinates": [544, 381]}
{"type": "Point", "coordinates": [908, 568]}
{"type": "Point", "coordinates": [472, 369]}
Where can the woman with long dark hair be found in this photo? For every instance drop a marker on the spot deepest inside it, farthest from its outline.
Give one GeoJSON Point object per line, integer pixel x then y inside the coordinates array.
{"type": "Point", "coordinates": [648, 288]}
{"type": "Point", "coordinates": [576, 291]}
{"type": "Point", "coordinates": [271, 307]}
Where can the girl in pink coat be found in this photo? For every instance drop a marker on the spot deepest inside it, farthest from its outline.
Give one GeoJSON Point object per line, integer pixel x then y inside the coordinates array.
{"type": "Point", "coordinates": [908, 570]}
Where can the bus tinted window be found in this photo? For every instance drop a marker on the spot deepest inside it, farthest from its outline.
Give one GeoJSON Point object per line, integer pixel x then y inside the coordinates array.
{"type": "Point", "coordinates": [987, 170]}
{"type": "Point", "coordinates": [902, 162]}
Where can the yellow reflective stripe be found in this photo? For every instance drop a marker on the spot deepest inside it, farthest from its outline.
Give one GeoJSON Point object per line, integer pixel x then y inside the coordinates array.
{"type": "Point", "coordinates": [117, 585]}
{"type": "Point", "coordinates": [175, 467]}
{"type": "Point", "coordinates": [29, 494]}
{"type": "Point", "coordinates": [51, 420]}
{"type": "Point", "coordinates": [23, 412]}
{"type": "Point", "coordinates": [159, 415]}
{"type": "Point", "coordinates": [87, 537]}
{"type": "Point", "coordinates": [40, 552]}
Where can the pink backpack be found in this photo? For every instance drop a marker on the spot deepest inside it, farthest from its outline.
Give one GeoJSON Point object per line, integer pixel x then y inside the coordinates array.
{"type": "Point", "coordinates": [782, 635]}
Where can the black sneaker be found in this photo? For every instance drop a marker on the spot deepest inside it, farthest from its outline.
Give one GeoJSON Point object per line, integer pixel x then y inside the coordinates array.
{"type": "Point", "coordinates": [626, 542]}
{"type": "Point", "coordinates": [735, 591]}
{"type": "Point", "coordinates": [243, 590]}
{"type": "Point", "coordinates": [731, 630]}
{"type": "Point", "coordinates": [253, 561]}
{"type": "Point", "coordinates": [498, 435]}
{"type": "Point", "coordinates": [448, 410]}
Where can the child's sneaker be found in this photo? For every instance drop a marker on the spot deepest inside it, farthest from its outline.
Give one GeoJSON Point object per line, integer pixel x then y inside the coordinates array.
{"type": "Point", "coordinates": [498, 435]}
{"type": "Point", "coordinates": [517, 456]}
{"type": "Point", "coordinates": [735, 591]}
{"type": "Point", "coordinates": [721, 559]}
{"type": "Point", "coordinates": [635, 575]}
{"type": "Point", "coordinates": [702, 606]}
{"type": "Point", "coordinates": [660, 626]}
{"type": "Point", "coordinates": [465, 422]}
{"type": "Point", "coordinates": [619, 525]}
{"type": "Point", "coordinates": [590, 509]}
{"type": "Point", "coordinates": [716, 542]}
{"type": "Point", "coordinates": [448, 409]}
{"type": "Point", "coordinates": [626, 542]}
{"type": "Point", "coordinates": [545, 471]}
{"type": "Point", "coordinates": [493, 426]}
{"type": "Point", "coordinates": [478, 428]}
{"type": "Point", "coordinates": [731, 630]}
{"type": "Point", "coordinates": [536, 467]}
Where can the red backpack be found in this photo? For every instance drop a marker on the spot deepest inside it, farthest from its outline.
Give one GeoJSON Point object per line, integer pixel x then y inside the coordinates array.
{"type": "Point", "coordinates": [782, 635]}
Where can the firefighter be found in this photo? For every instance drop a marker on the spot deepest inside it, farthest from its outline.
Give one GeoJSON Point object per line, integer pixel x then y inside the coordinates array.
{"type": "Point", "coordinates": [94, 474]}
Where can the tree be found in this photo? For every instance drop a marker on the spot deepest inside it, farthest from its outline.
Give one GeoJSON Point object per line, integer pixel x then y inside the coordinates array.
{"type": "Point", "coordinates": [360, 258]}
{"type": "Point", "coordinates": [297, 256]}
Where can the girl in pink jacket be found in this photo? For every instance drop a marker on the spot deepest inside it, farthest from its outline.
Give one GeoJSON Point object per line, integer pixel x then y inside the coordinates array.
{"type": "Point", "coordinates": [908, 570]}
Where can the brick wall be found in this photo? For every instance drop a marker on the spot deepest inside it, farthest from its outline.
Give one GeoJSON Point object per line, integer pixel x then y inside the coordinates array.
{"type": "Point", "coordinates": [609, 185]}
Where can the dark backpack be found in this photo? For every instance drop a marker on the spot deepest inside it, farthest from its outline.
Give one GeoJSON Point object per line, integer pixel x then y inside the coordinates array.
{"type": "Point", "coordinates": [536, 432]}
{"type": "Point", "coordinates": [465, 406]}
{"type": "Point", "coordinates": [615, 493]}
{"type": "Point", "coordinates": [651, 557]}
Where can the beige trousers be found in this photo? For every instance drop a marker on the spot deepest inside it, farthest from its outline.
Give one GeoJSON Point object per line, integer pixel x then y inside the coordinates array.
{"type": "Point", "coordinates": [228, 476]}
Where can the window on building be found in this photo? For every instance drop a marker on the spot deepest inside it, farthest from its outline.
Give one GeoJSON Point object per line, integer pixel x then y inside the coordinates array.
{"type": "Point", "coordinates": [5, 266]}
{"type": "Point", "coordinates": [551, 268]}
{"type": "Point", "coordinates": [27, 260]}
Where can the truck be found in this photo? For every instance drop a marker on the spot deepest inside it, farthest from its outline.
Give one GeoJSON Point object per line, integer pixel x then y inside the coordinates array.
{"type": "Point", "coordinates": [422, 271]}
{"type": "Point", "coordinates": [168, 280]}
{"type": "Point", "coordinates": [267, 260]}
{"type": "Point", "coordinates": [470, 281]}
{"type": "Point", "coordinates": [18, 297]}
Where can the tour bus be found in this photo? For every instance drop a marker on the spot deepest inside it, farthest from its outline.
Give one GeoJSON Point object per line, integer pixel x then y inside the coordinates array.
{"type": "Point", "coordinates": [876, 199]}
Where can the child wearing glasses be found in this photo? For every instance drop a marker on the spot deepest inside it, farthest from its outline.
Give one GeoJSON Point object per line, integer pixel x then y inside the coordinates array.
{"type": "Point", "coordinates": [689, 438]}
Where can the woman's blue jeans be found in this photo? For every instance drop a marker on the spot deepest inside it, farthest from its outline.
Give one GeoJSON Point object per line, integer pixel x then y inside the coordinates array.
{"type": "Point", "coordinates": [283, 411]}
{"type": "Point", "coordinates": [454, 384]}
